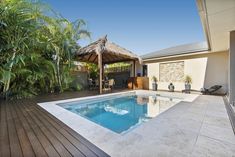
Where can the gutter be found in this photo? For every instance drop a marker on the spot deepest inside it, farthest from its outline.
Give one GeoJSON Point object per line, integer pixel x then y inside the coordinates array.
{"type": "Point", "coordinates": [179, 55]}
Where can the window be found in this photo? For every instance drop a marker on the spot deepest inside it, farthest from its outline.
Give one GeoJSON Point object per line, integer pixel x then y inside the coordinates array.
{"type": "Point", "coordinates": [145, 70]}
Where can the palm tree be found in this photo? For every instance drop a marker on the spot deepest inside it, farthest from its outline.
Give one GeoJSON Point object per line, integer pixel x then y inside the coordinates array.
{"type": "Point", "coordinates": [17, 34]}
{"type": "Point", "coordinates": [36, 50]}
{"type": "Point", "coordinates": [61, 39]}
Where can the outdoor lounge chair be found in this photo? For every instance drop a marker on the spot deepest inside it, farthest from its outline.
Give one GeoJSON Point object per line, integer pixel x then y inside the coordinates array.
{"type": "Point", "coordinates": [110, 84]}
{"type": "Point", "coordinates": [210, 90]}
{"type": "Point", "coordinates": [91, 85]}
{"type": "Point", "coordinates": [96, 86]}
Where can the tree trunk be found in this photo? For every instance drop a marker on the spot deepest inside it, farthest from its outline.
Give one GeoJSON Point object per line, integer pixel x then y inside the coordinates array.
{"type": "Point", "coordinates": [8, 81]}
{"type": "Point", "coordinates": [58, 73]}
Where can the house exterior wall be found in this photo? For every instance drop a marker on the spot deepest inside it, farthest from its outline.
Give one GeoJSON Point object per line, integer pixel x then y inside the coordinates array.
{"type": "Point", "coordinates": [138, 68]}
{"type": "Point", "coordinates": [205, 69]}
{"type": "Point", "coordinates": [232, 68]}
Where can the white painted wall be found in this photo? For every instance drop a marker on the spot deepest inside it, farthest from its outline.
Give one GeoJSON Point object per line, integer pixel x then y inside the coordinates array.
{"type": "Point", "coordinates": [205, 69]}
{"type": "Point", "coordinates": [232, 68]}
{"type": "Point", "coordinates": [138, 68]}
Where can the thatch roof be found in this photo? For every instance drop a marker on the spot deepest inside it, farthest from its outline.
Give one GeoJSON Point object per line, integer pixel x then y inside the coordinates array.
{"type": "Point", "coordinates": [111, 52]}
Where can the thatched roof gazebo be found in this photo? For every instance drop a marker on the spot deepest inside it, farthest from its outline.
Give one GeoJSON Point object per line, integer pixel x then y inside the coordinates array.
{"type": "Point", "coordinates": [104, 52]}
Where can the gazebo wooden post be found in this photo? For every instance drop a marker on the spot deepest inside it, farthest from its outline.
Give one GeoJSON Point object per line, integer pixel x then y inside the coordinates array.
{"type": "Point", "coordinates": [134, 68]}
{"type": "Point", "coordinates": [133, 74]}
{"type": "Point", "coordinates": [101, 71]}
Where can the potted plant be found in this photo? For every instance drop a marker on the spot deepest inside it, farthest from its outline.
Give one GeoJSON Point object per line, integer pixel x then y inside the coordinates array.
{"type": "Point", "coordinates": [171, 87]}
{"type": "Point", "coordinates": [188, 81]}
{"type": "Point", "coordinates": [154, 83]}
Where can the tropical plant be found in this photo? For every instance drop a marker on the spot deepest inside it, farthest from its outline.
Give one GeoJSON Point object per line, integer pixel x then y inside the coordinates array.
{"type": "Point", "coordinates": [61, 38]}
{"type": "Point", "coordinates": [36, 50]}
{"type": "Point", "coordinates": [92, 70]}
{"type": "Point", "coordinates": [120, 64]}
{"type": "Point", "coordinates": [154, 79]}
{"type": "Point", "coordinates": [188, 79]}
{"type": "Point", "coordinates": [17, 33]}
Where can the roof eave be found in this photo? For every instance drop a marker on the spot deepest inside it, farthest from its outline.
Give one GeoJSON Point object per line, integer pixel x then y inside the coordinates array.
{"type": "Point", "coordinates": [177, 55]}
{"type": "Point", "coordinates": [202, 11]}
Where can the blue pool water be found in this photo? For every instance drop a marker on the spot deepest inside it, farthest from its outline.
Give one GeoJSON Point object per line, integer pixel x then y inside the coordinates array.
{"type": "Point", "coordinates": [120, 113]}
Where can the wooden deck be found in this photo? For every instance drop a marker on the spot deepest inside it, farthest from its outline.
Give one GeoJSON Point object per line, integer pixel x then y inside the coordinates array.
{"type": "Point", "coordinates": [28, 130]}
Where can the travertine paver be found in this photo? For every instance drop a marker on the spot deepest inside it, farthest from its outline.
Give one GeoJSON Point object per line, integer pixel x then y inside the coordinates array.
{"type": "Point", "coordinates": [198, 128]}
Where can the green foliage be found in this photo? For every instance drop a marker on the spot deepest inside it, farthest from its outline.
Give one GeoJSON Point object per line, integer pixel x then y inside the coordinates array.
{"type": "Point", "coordinates": [188, 79]}
{"type": "Point", "coordinates": [120, 64]}
{"type": "Point", "coordinates": [36, 50]}
{"type": "Point", "coordinates": [92, 69]}
{"type": "Point", "coordinates": [154, 79]}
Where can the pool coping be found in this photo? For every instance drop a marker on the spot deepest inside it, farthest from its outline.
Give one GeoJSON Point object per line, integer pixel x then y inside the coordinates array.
{"type": "Point", "coordinates": [231, 113]}
{"type": "Point", "coordinates": [89, 129]}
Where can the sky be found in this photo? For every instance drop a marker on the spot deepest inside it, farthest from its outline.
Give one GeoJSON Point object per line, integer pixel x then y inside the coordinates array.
{"type": "Point", "coordinates": [141, 26]}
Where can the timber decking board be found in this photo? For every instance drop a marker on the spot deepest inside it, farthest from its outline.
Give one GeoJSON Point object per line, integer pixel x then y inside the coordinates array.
{"type": "Point", "coordinates": [15, 147]}
{"type": "Point", "coordinates": [36, 145]}
{"type": "Point", "coordinates": [28, 130]}
{"type": "Point", "coordinates": [48, 147]}
{"type": "Point", "coordinates": [79, 138]}
{"type": "Point", "coordinates": [56, 128]}
{"type": "Point", "coordinates": [59, 141]}
{"type": "Point", "coordinates": [23, 139]}
{"type": "Point", "coordinates": [4, 145]}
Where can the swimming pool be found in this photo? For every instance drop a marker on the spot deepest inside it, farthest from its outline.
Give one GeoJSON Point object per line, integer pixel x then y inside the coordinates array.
{"type": "Point", "coordinates": [120, 113]}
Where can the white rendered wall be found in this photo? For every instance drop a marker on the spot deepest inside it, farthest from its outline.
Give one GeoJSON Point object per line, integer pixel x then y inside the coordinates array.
{"type": "Point", "coordinates": [232, 67]}
{"type": "Point", "coordinates": [206, 70]}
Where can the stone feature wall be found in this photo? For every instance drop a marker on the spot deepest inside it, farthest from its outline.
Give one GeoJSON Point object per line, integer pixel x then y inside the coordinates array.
{"type": "Point", "coordinates": [171, 72]}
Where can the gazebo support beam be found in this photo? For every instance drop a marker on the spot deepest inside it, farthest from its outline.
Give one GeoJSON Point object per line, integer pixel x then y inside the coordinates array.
{"type": "Point", "coordinates": [100, 70]}
{"type": "Point", "coordinates": [118, 61]}
{"type": "Point", "coordinates": [134, 69]}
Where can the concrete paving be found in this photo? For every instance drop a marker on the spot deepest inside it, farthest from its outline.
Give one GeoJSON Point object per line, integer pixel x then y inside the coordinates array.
{"type": "Point", "coordinates": [200, 128]}
{"type": "Point", "coordinates": [197, 128]}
